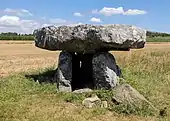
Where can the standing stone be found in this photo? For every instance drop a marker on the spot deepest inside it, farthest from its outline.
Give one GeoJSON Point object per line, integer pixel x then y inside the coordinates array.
{"type": "Point", "coordinates": [104, 71]}
{"type": "Point", "coordinates": [64, 72]}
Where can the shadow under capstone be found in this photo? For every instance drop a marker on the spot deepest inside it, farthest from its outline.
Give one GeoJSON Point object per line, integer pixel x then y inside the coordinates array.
{"type": "Point", "coordinates": [82, 71]}
{"type": "Point", "coordinates": [44, 77]}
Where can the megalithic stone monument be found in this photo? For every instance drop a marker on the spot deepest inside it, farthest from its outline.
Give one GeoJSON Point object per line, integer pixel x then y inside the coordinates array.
{"type": "Point", "coordinates": [85, 61]}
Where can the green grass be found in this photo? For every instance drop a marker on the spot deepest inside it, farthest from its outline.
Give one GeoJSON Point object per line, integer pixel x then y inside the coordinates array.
{"type": "Point", "coordinates": [22, 98]}
{"type": "Point", "coordinates": [18, 94]}
{"type": "Point", "coordinates": [158, 39]}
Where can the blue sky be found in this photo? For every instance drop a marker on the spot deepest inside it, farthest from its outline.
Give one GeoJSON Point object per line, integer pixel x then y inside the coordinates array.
{"type": "Point", "coordinates": [24, 16]}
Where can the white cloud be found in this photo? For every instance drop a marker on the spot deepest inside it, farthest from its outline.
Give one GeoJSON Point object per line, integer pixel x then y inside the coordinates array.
{"type": "Point", "coordinates": [109, 11]}
{"type": "Point", "coordinates": [15, 24]}
{"type": "Point", "coordinates": [17, 12]}
{"type": "Point", "coordinates": [106, 11]}
{"type": "Point", "coordinates": [78, 14]}
{"type": "Point", "coordinates": [135, 12]}
{"type": "Point", "coordinates": [57, 21]}
{"type": "Point", "coordinates": [97, 20]}
{"type": "Point", "coordinates": [75, 24]}
{"type": "Point", "coordinates": [44, 25]}
{"type": "Point", "coordinates": [9, 21]}
{"type": "Point", "coordinates": [95, 11]}
{"type": "Point", "coordinates": [13, 21]}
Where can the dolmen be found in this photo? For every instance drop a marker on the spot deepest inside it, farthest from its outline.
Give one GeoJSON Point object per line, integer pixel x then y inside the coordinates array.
{"type": "Point", "coordinates": [84, 60]}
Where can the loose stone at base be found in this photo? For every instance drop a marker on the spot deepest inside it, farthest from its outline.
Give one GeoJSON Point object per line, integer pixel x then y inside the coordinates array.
{"type": "Point", "coordinates": [63, 74]}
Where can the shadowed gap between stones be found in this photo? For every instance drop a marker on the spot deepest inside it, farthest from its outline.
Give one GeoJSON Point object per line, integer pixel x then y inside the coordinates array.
{"type": "Point", "coordinates": [82, 71]}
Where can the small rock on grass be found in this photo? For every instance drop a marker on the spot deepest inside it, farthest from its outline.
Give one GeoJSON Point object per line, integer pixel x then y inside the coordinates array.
{"type": "Point", "coordinates": [104, 104]}
{"type": "Point", "coordinates": [85, 90]}
{"type": "Point", "coordinates": [91, 102]}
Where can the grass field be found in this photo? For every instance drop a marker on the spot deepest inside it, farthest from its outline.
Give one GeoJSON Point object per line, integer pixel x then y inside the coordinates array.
{"type": "Point", "coordinates": [158, 39]}
{"type": "Point", "coordinates": [148, 70]}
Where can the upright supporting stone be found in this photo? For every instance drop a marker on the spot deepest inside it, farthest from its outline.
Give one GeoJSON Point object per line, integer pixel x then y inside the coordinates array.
{"type": "Point", "coordinates": [64, 72]}
{"type": "Point", "coordinates": [104, 71]}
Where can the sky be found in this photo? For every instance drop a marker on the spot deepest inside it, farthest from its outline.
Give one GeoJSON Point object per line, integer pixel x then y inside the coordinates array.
{"type": "Point", "coordinates": [24, 16]}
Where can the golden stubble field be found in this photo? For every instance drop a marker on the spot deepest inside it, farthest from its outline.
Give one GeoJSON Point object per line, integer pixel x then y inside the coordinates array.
{"type": "Point", "coordinates": [147, 70]}
{"type": "Point", "coordinates": [24, 56]}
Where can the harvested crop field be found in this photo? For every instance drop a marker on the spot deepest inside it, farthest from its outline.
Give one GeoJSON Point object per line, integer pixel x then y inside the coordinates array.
{"type": "Point", "coordinates": [24, 56]}
{"type": "Point", "coordinates": [147, 70]}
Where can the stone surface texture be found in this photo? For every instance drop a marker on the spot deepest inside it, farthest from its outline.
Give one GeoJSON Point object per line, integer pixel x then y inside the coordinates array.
{"type": "Point", "coordinates": [90, 38]}
{"type": "Point", "coordinates": [92, 102]}
{"type": "Point", "coordinates": [104, 104]}
{"type": "Point", "coordinates": [126, 94]}
{"type": "Point", "coordinates": [63, 75]}
{"type": "Point", "coordinates": [85, 90]}
{"type": "Point", "coordinates": [105, 71]}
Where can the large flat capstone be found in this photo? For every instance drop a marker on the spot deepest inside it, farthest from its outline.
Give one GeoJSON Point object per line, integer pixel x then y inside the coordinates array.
{"type": "Point", "coordinates": [90, 38]}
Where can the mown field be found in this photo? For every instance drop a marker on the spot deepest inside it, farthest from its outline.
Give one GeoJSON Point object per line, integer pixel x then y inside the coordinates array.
{"type": "Point", "coordinates": [23, 99]}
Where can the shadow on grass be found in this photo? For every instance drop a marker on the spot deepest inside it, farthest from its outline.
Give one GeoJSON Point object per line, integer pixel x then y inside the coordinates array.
{"type": "Point", "coordinates": [46, 76]}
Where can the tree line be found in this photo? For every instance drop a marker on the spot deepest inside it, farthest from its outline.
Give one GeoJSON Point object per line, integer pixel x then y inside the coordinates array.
{"type": "Point", "coordinates": [157, 34]}
{"type": "Point", "coordinates": [15, 36]}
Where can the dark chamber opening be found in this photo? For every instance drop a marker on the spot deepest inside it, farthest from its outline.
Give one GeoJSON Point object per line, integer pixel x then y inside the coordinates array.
{"type": "Point", "coordinates": [82, 71]}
